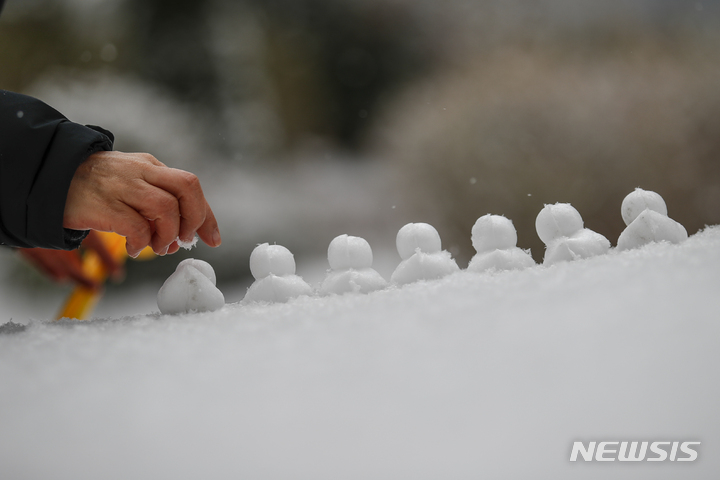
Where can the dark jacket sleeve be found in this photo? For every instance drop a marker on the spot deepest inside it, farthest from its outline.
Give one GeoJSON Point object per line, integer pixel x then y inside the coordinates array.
{"type": "Point", "coordinates": [40, 150]}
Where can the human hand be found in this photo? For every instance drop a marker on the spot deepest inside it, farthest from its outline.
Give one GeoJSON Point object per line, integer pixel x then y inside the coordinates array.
{"type": "Point", "coordinates": [63, 265]}
{"type": "Point", "coordinates": [138, 197]}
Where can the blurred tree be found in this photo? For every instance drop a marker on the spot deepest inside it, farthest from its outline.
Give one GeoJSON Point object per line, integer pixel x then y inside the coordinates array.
{"type": "Point", "coordinates": [346, 56]}
{"type": "Point", "coordinates": [171, 47]}
{"type": "Point", "coordinates": [35, 40]}
{"type": "Point", "coordinates": [329, 61]}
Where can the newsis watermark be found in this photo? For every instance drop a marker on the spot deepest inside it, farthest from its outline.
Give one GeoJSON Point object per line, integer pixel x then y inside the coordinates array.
{"type": "Point", "coordinates": [634, 451]}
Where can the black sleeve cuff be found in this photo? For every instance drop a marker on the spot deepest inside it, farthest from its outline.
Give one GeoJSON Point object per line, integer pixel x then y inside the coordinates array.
{"type": "Point", "coordinates": [73, 238]}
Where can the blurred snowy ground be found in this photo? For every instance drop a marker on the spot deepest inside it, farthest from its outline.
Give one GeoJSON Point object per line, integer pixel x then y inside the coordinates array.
{"type": "Point", "coordinates": [473, 376]}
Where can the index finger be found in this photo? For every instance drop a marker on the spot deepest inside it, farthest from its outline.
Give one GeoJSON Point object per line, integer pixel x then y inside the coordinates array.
{"type": "Point", "coordinates": [209, 231]}
{"type": "Point", "coordinates": [195, 212]}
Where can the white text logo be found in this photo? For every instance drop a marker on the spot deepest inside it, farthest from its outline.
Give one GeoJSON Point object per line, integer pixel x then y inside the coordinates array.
{"type": "Point", "coordinates": [635, 451]}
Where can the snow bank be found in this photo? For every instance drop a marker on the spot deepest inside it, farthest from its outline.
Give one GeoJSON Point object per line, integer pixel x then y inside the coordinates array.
{"type": "Point", "coordinates": [472, 376]}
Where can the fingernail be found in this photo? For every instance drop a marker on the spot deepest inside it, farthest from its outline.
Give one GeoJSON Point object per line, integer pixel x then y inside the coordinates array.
{"type": "Point", "coordinates": [164, 250]}
{"type": "Point", "coordinates": [131, 251]}
{"type": "Point", "coordinates": [216, 237]}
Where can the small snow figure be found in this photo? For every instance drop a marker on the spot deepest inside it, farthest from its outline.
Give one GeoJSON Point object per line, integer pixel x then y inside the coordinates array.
{"type": "Point", "coordinates": [645, 215]}
{"type": "Point", "coordinates": [561, 228]}
{"type": "Point", "coordinates": [273, 267]}
{"type": "Point", "coordinates": [495, 239]}
{"type": "Point", "coordinates": [422, 256]}
{"type": "Point", "coordinates": [351, 260]}
{"type": "Point", "coordinates": [190, 288]}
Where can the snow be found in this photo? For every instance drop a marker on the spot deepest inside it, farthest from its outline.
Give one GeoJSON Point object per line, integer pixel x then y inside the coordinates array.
{"type": "Point", "coordinates": [347, 251]}
{"type": "Point", "coordinates": [202, 266]}
{"type": "Point", "coordinates": [512, 258]}
{"type": "Point", "coordinates": [645, 215]}
{"type": "Point", "coordinates": [651, 226]}
{"type": "Point", "coordinates": [583, 244]}
{"type": "Point", "coordinates": [277, 289]}
{"type": "Point", "coordinates": [268, 259]}
{"type": "Point", "coordinates": [420, 249]}
{"type": "Point", "coordinates": [493, 232]}
{"type": "Point", "coordinates": [190, 288]}
{"type": "Point", "coordinates": [415, 237]}
{"type": "Point", "coordinates": [494, 238]}
{"type": "Point", "coordinates": [640, 200]}
{"type": "Point", "coordinates": [273, 267]}
{"type": "Point", "coordinates": [424, 266]}
{"type": "Point", "coordinates": [350, 260]}
{"type": "Point", "coordinates": [346, 280]}
{"type": "Point", "coordinates": [558, 220]}
{"type": "Point", "coordinates": [187, 245]}
{"type": "Point", "coordinates": [471, 376]}
{"type": "Point", "coordinates": [560, 227]}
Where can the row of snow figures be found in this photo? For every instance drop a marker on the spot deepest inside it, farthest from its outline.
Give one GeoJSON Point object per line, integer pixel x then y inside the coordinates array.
{"type": "Point", "coordinates": [192, 287]}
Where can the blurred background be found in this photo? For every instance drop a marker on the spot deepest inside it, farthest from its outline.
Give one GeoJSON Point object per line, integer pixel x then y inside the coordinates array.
{"type": "Point", "coordinates": [306, 119]}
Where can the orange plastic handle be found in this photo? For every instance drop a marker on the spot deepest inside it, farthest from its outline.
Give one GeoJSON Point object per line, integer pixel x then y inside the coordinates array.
{"type": "Point", "coordinates": [82, 300]}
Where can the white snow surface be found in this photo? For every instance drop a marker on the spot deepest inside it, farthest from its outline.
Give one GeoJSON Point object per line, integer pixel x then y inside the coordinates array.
{"type": "Point", "coordinates": [471, 376]}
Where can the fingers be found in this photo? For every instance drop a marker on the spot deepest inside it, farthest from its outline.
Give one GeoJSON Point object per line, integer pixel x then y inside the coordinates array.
{"type": "Point", "coordinates": [162, 210]}
{"type": "Point", "coordinates": [127, 222]}
{"type": "Point", "coordinates": [195, 213]}
{"type": "Point", "coordinates": [209, 231]}
{"type": "Point", "coordinates": [137, 196]}
{"type": "Point", "coordinates": [174, 247]}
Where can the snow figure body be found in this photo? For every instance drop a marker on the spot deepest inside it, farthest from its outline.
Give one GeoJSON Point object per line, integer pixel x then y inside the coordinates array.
{"type": "Point", "coordinates": [350, 261]}
{"type": "Point", "coordinates": [561, 228]}
{"type": "Point", "coordinates": [645, 215]}
{"type": "Point", "coordinates": [422, 256]}
{"type": "Point", "coordinates": [190, 288]}
{"type": "Point", "coordinates": [495, 239]}
{"type": "Point", "coordinates": [273, 267]}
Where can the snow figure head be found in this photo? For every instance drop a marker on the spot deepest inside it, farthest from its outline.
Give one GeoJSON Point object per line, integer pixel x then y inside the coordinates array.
{"type": "Point", "coordinates": [190, 288]}
{"type": "Point", "coordinates": [202, 266]}
{"type": "Point", "coordinates": [271, 260]}
{"type": "Point", "coordinates": [493, 232]}
{"type": "Point", "coordinates": [558, 220]}
{"type": "Point", "coordinates": [638, 201]}
{"type": "Point", "coordinates": [417, 236]}
{"type": "Point", "coordinates": [349, 252]}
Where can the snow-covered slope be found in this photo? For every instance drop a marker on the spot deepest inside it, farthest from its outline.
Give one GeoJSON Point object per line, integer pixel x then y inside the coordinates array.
{"type": "Point", "coordinates": [473, 376]}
